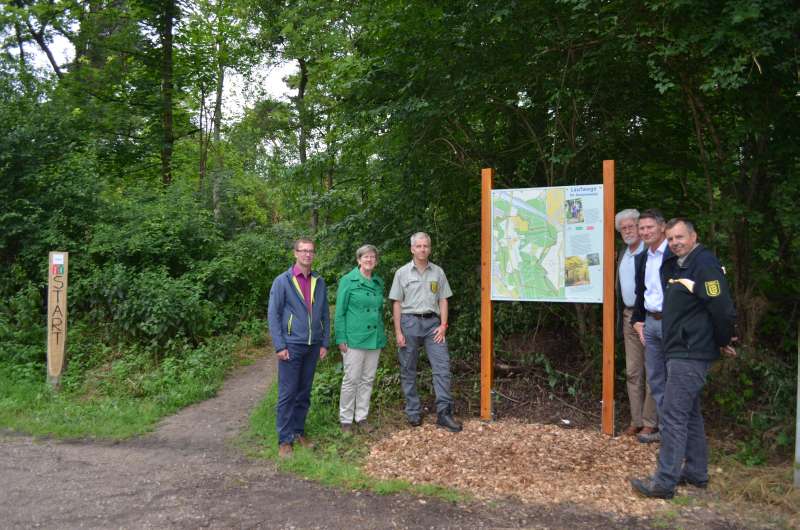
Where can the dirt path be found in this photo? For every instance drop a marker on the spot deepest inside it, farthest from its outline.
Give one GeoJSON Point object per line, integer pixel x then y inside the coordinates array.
{"type": "Point", "coordinates": [187, 474]}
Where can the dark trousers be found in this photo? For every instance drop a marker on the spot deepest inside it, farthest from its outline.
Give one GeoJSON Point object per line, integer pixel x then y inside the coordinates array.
{"type": "Point", "coordinates": [683, 450]}
{"type": "Point", "coordinates": [295, 377]}
{"type": "Point", "coordinates": [419, 332]}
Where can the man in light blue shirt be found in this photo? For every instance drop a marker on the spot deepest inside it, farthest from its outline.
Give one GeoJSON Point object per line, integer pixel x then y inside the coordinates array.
{"type": "Point", "coordinates": [646, 319]}
{"type": "Point", "coordinates": [642, 406]}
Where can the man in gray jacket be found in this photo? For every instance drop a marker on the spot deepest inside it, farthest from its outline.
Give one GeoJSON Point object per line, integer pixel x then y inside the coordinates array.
{"type": "Point", "coordinates": [299, 323]}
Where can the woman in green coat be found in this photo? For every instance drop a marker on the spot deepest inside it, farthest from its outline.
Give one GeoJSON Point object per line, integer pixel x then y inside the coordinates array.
{"type": "Point", "coordinates": [360, 335]}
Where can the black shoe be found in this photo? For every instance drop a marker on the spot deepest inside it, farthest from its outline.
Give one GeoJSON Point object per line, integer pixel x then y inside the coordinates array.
{"type": "Point", "coordinates": [646, 488]}
{"type": "Point", "coordinates": [415, 422]}
{"type": "Point", "coordinates": [446, 420]}
{"type": "Point", "coordinates": [684, 481]}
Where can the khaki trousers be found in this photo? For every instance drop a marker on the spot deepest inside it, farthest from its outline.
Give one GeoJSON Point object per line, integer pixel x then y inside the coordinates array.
{"type": "Point", "coordinates": [643, 407]}
{"type": "Point", "coordinates": [359, 375]}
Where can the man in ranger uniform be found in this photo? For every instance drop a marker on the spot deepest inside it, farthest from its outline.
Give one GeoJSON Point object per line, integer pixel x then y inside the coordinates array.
{"type": "Point", "coordinates": [698, 325]}
{"type": "Point", "coordinates": [420, 311]}
{"type": "Point", "coordinates": [299, 324]}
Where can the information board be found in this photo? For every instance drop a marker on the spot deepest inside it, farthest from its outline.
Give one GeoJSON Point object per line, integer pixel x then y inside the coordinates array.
{"type": "Point", "coordinates": [547, 244]}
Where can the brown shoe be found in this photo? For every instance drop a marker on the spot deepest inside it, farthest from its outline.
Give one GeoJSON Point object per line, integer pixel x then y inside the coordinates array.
{"type": "Point", "coordinates": [284, 450]}
{"type": "Point", "coordinates": [632, 430]}
{"type": "Point", "coordinates": [305, 442]}
{"type": "Point", "coordinates": [347, 428]}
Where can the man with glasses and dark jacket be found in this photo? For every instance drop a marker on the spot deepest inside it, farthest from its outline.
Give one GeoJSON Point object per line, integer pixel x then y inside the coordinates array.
{"type": "Point", "coordinates": [299, 323]}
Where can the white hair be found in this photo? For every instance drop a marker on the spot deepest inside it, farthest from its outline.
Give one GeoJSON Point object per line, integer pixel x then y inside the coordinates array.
{"type": "Point", "coordinates": [418, 236]}
{"type": "Point", "coordinates": [629, 213]}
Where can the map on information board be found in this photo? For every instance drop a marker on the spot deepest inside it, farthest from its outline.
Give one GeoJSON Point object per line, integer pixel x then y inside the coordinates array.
{"type": "Point", "coordinates": [547, 244]}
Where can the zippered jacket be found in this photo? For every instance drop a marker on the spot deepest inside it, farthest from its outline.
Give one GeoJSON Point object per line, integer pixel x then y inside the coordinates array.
{"type": "Point", "coordinates": [699, 315]}
{"type": "Point", "coordinates": [359, 311]}
{"type": "Point", "coordinates": [289, 319]}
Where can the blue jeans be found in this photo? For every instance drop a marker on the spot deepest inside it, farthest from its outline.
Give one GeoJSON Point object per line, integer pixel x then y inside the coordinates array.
{"type": "Point", "coordinates": [654, 361]}
{"type": "Point", "coordinates": [295, 377]}
{"type": "Point", "coordinates": [418, 332]}
{"type": "Point", "coordinates": [683, 451]}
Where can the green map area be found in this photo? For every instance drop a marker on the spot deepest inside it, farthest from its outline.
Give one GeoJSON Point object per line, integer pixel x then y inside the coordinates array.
{"type": "Point", "coordinates": [528, 244]}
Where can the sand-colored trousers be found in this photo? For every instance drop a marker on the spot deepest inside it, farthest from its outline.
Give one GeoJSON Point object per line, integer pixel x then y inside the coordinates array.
{"type": "Point", "coordinates": [359, 375]}
{"type": "Point", "coordinates": [643, 408]}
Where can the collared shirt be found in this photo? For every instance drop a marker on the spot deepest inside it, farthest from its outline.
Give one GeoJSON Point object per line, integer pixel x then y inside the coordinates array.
{"type": "Point", "coordinates": [305, 284]}
{"type": "Point", "coordinates": [627, 275]}
{"type": "Point", "coordinates": [419, 292]}
{"type": "Point", "coordinates": [653, 294]}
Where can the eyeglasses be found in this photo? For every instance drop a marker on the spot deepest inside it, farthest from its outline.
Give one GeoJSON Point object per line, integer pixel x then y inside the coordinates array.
{"type": "Point", "coordinates": [305, 251]}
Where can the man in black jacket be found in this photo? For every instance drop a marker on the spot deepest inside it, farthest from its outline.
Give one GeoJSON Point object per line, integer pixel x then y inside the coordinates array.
{"type": "Point", "coordinates": [698, 324]}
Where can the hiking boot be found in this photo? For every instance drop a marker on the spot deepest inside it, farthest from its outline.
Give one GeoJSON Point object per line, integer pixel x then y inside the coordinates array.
{"type": "Point", "coordinates": [649, 435]}
{"type": "Point", "coordinates": [445, 419]}
{"type": "Point", "coordinates": [284, 450]}
{"type": "Point", "coordinates": [347, 428]}
{"type": "Point", "coordinates": [646, 488]}
{"type": "Point", "coordinates": [415, 421]}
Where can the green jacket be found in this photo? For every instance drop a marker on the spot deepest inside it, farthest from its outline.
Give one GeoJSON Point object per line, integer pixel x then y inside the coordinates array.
{"type": "Point", "coordinates": [359, 311]}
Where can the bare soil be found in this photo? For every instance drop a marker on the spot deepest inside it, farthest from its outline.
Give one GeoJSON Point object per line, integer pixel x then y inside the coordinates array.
{"type": "Point", "coordinates": [189, 473]}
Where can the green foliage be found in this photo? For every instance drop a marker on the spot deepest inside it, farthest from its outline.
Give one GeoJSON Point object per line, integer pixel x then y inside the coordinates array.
{"type": "Point", "coordinates": [22, 327]}
{"type": "Point", "coordinates": [150, 306]}
{"type": "Point", "coordinates": [756, 391]}
{"type": "Point", "coordinates": [148, 228]}
{"type": "Point", "coordinates": [117, 398]}
{"type": "Point", "coordinates": [239, 277]}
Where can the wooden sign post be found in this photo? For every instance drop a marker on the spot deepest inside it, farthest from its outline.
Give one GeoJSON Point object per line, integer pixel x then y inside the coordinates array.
{"type": "Point", "coordinates": [56, 315]}
{"type": "Point", "coordinates": [487, 316]}
{"type": "Point", "coordinates": [609, 312]}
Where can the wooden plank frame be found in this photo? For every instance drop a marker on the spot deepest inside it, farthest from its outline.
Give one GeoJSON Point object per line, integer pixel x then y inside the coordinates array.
{"type": "Point", "coordinates": [609, 314]}
{"type": "Point", "coordinates": [487, 314]}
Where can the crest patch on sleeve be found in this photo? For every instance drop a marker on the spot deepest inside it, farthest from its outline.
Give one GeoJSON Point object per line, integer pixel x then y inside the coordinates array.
{"type": "Point", "coordinates": [712, 288]}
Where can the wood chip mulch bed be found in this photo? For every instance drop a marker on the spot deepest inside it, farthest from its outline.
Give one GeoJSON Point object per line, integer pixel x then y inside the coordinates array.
{"type": "Point", "coordinates": [536, 463]}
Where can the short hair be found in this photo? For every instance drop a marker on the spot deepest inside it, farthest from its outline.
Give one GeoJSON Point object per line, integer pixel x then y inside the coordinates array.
{"type": "Point", "coordinates": [364, 249]}
{"type": "Point", "coordinates": [652, 213]}
{"type": "Point", "coordinates": [675, 220]}
{"type": "Point", "coordinates": [629, 213]}
{"type": "Point", "coordinates": [420, 235]}
{"type": "Point", "coordinates": [303, 240]}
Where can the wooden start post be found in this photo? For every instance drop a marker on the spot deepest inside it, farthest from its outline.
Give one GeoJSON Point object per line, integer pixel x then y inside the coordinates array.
{"type": "Point", "coordinates": [56, 315]}
{"type": "Point", "coordinates": [487, 314]}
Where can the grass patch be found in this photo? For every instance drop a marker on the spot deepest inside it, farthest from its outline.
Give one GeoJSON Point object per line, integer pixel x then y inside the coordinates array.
{"type": "Point", "coordinates": [338, 458]}
{"type": "Point", "coordinates": [765, 486]}
{"type": "Point", "coordinates": [119, 397]}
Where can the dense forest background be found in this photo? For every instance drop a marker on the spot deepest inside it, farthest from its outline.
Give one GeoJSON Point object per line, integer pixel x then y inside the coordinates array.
{"type": "Point", "coordinates": [177, 216]}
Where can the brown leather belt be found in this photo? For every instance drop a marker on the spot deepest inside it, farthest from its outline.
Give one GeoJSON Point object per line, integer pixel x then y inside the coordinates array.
{"type": "Point", "coordinates": [656, 316]}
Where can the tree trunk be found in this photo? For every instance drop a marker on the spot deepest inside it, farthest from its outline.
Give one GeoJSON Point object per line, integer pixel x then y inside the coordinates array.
{"type": "Point", "coordinates": [203, 144]}
{"type": "Point", "coordinates": [168, 134]}
{"type": "Point", "coordinates": [219, 162]}
{"type": "Point", "coordinates": [302, 135]}
{"type": "Point", "coordinates": [38, 36]}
